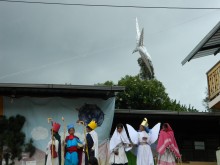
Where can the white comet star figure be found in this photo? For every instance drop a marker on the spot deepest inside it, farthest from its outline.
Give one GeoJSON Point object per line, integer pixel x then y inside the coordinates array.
{"type": "Point", "coordinates": [145, 56]}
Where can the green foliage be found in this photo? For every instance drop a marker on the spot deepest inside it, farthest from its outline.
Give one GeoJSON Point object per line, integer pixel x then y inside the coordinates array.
{"type": "Point", "coordinates": [144, 72]}
{"type": "Point", "coordinates": [3, 126]}
{"type": "Point", "coordinates": [205, 102]}
{"type": "Point", "coordinates": [141, 94]}
{"type": "Point", "coordinates": [107, 83]}
{"type": "Point", "coordinates": [146, 94]}
{"type": "Point", "coordinates": [30, 148]}
{"type": "Point", "coordinates": [12, 138]}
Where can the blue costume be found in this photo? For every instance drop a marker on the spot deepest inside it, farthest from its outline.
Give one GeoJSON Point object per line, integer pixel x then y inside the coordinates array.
{"type": "Point", "coordinates": [72, 156]}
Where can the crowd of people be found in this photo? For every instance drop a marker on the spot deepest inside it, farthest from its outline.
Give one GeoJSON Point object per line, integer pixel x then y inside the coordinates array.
{"type": "Point", "coordinates": [120, 143]}
{"type": "Point", "coordinates": [167, 149]}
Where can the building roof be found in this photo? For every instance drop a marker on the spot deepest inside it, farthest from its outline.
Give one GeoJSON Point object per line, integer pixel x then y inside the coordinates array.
{"type": "Point", "coordinates": [59, 90]}
{"type": "Point", "coordinates": [171, 114]}
{"type": "Point", "coordinates": [209, 45]}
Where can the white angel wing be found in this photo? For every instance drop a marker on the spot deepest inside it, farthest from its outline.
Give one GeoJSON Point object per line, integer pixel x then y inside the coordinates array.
{"type": "Point", "coordinates": [133, 134]}
{"type": "Point", "coordinates": [153, 134]}
{"type": "Point", "coordinates": [138, 32]}
{"type": "Point", "coordinates": [141, 39]}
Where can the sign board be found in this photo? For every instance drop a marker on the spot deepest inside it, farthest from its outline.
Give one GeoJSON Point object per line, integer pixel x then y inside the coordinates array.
{"type": "Point", "coordinates": [199, 145]}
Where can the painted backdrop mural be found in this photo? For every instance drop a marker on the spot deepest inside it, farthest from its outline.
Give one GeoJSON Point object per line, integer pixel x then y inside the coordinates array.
{"type": "Point", "coordinates": [38, 110]}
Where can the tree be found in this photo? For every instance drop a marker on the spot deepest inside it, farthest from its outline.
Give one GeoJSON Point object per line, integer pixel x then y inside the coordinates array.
{"type": "Point", "coordinates": [13, 139]}
{"type": "Point", "coordinates": [3, 125]}
{"type": "Point", "coordinates": [30, 148]}
{"type": "Point", "coordinates": [146, 94]}
{"type": "Point", "coordinates": [205, 102]}
{"type": "Point", "coordinates": [141, 94]}
{"type": "Point", "coordinates": [144, 72]}
{"type": "Point", "coordinates": [107, 83]}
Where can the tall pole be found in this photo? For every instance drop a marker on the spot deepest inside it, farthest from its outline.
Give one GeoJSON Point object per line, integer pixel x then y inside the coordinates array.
{"type": "Point", "coordinates": [52, 138]}
{"type": "Point", "coordinates": [86, 143]}
{"type": "Point", "coordinates": [64, 136]}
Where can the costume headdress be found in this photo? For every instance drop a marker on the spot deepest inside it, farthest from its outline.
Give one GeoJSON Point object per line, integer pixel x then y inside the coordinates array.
{"type": "Point", "coordinates": [55, 126]}
{"type": "Point", "coordinates": [92, 124]}
{"type": "Point", "coordinates": [70, 126]}
{"type": "Point", "coordinates": [144, 122]}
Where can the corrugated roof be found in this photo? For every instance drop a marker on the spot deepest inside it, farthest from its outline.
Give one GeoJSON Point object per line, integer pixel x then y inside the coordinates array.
{"type": "Point", "coordinates": [209, 45]}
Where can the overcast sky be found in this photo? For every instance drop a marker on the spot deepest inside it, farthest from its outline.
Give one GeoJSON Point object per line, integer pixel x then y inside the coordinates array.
{"type": "Point", "coordinates": [86, 45]}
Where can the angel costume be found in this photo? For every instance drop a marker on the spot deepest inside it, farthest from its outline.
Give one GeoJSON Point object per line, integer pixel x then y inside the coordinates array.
{"type": "Point", "coordinates": [144, 153]}
{"type": "Point", "coordinates": [119, 143]}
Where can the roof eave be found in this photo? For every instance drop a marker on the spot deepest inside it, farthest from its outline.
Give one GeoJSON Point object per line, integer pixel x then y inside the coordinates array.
{"type": "Point", "coordinates": [201, 44]}
{"type": "Point", "coordinates": [165, 112]}
{"type": "Point", "coordinates": [59, 90]}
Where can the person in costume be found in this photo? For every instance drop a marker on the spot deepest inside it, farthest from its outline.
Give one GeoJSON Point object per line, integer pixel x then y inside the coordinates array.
{"type": "Point", "coordinates": [72, 147]}
{"type": "Point", "coordinates": [91, 146]}
{"type": "Point", "coordinates": [119, 143]}
{"type": "Point", "coordinates": [56, 127]}
{"type": "Point", "coordinates": [167, 147]}
{"type": "Point", "coordinates": [144, 153]}
{"type": "Point", "coordinates": [53, 150]}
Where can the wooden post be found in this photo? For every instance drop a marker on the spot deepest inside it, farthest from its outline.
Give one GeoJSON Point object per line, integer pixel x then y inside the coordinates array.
{"type": "Point", "coordinates": [63, 145]}
{"type": "Point", "coordinates": [86, 146]}
{"type": "Point", "coordinates": [52, 138]}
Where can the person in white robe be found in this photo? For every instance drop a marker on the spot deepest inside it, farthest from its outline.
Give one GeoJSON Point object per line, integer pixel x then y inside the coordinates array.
{"type": "Point", "coordinates": [119, 143]}
{"type": "Point", "coordinates": [144, 153]}
{"type": "Point", "coordinates": [52, 152]}
{"type": "Point", "coordinates": [143, 139]}
{"type": "Point", "coordinates": [95, 146]}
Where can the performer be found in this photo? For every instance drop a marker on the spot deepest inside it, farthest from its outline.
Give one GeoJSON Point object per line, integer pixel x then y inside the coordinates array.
{"type": "Point", "coordinates": [119, 143]}
{"type": "Point", "coordinates": [144, 153]}
{"type": "Point", "coordinates": [92, 141]}
{"type": "Point", "coordinates": [54, 147]}
{"type": "Point", "coordinates": [167, 147]}
{"type": "Point", "coordinates": [56, 127]}
{"type": "Point", "coordinates": [72, 147]}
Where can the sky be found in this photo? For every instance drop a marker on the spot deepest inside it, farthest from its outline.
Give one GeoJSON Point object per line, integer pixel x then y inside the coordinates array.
{"type": "Point", "coordinates": [79, 45]}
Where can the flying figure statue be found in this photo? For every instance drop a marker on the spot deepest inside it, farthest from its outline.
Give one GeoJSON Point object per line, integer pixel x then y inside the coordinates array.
{"type": "Point", "coordinates": [145, 56]}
